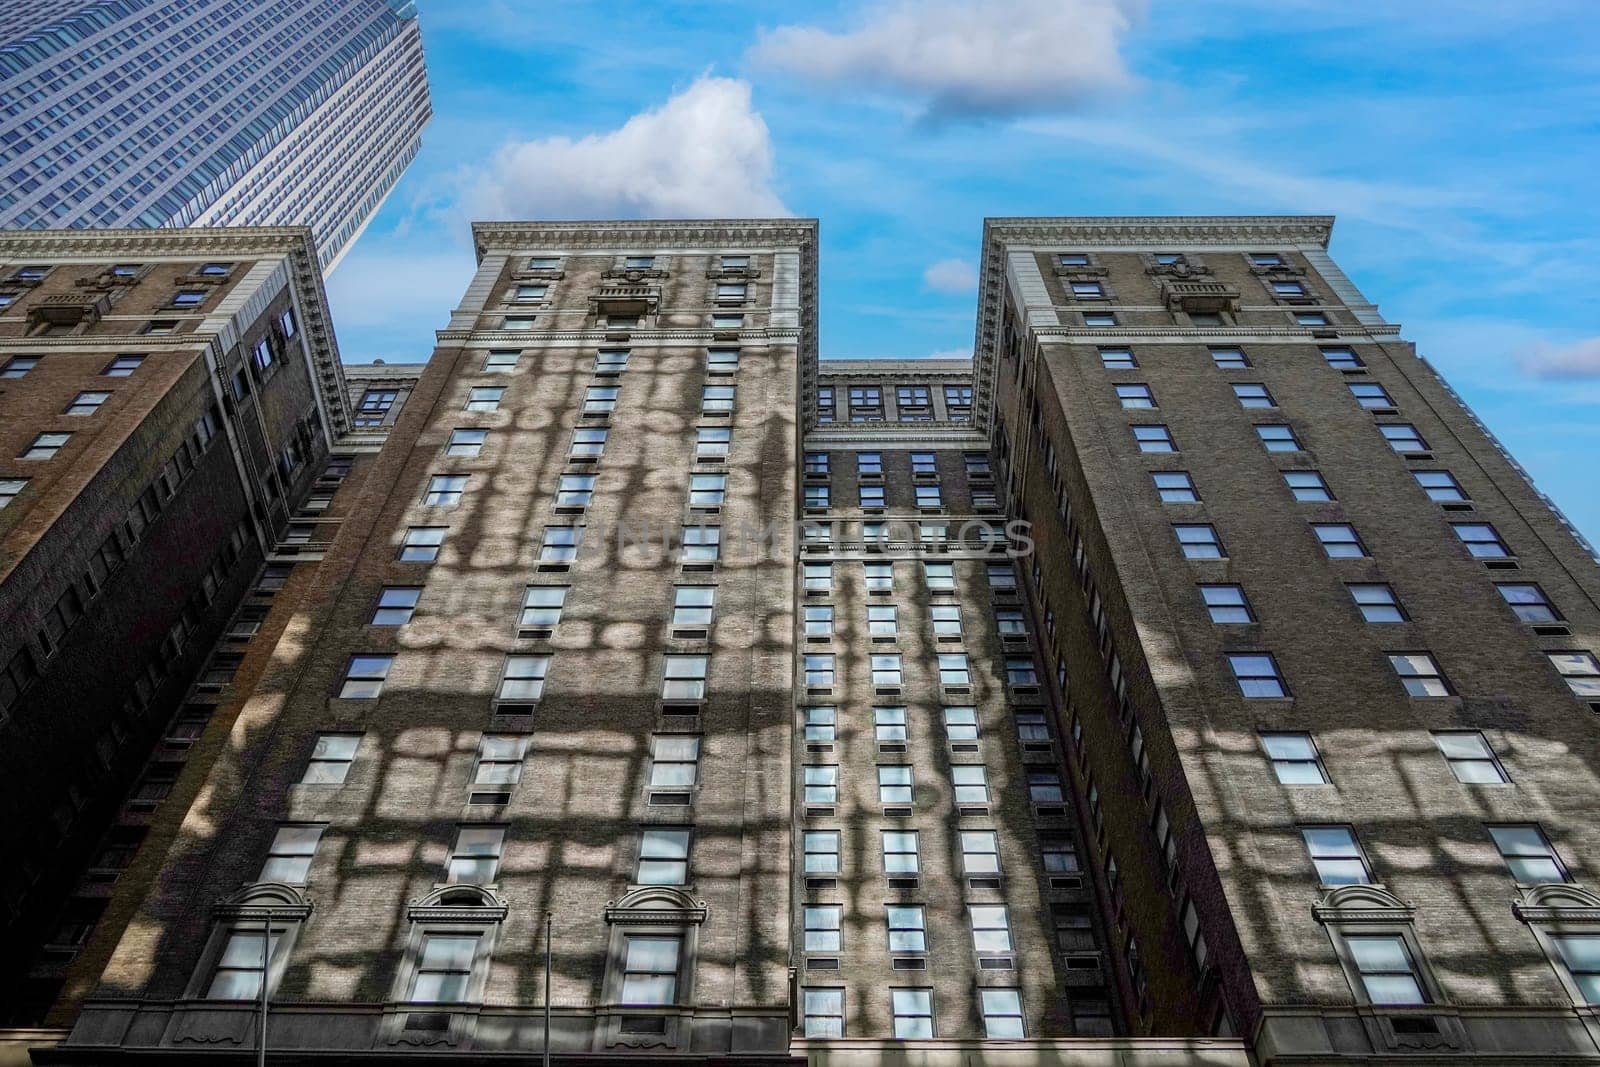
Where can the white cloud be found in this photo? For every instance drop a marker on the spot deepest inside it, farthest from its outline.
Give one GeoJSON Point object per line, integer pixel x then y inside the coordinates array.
{"type": "Point", "coordinates": [968, 57]}
{"type": "Point", "coordinates": [1580, 359]}
{"type": "Point", "coordinates": [955, 276]}
{"type": "Point", "coordinates": [705, 153]}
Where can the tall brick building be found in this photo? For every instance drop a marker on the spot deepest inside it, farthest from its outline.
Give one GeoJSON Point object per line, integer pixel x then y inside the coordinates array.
{"type": "Point", "coordinates": [1188, 678]}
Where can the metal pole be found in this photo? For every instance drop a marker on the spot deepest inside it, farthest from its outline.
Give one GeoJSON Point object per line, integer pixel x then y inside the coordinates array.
{"type": "Point", "coordinates": [547, 950]}
{"type": "Point", "coordinates": [266, 964]}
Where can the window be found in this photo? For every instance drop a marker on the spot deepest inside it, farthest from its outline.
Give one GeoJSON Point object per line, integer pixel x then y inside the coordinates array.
{"type": "Point", "coordinates": [10, 489]}
{"type": "Point", "coordinates": [977, 463]}
{"type": "Point", "coordinates": [722, 360]}
{"type": "Point", "coordinates": [886, 669]}
{"type": "Point", "coordinates": [160, 326]}
{"type": "Point", "coordinates": [900, 852]}
{"type": "Point", "coordinates": [501, 362]}
{"type": "Point", "coordinates": [86, 403]}
{"type": "Point", "coordinates": [531, 293]}
{"type": "Point", "coordinates": [1336, 855]}
{"type": "Point", "coordinates": [499, 760]}
{"type": "Point", "coordinates": [330, 759]}
{"type": "Point", "coordinates": [1402, 437]}
{"type": "Point", "coordinates": [395, 605]}
{"type": "Point", "coordinates": [1339, 540]}
{"type": "Point", "coordinates": [961, 723]}
{"type": "Point", "coordinates": [1388, 973]}
{"type": "Point", "coordinates": [1528, 854]}
{"type": "Point", "coordinates": [819, 620]}
{"type": "Point", "coordinates": [674, 761]}
{"type": "Point", "coordinates": [707, 490]}
{"type": "Point", "coordinates": [188, 298]}
{"type": "Point", "coordinates": [1288, 288]}
{"type": "Point", "coordinates": [1175, 487]}
{"type": "Point", "coordinates": [1441, 486]}
{"type": "Point", "coordinates": [1528, 602]}
{"type": "Point", "coordinates": [1481, 540]}
{"type": "Point", "coordinates": [523, 678]}
{"type": "Point", "coordinates": [717, 398]}
{"type": "Point", "coordinates": [818, 577]}
{"type": "Point", "coordinates": [824, 1012]}
{"type": "Point", "coordinates": [588, 442]}
{"type": "Point", "coordinates": [940, 577]}
{"type": "Point", "coordinates": [611, 360]}
{"type": "Point", "coordinates": [485, 398]}
{"type": "Point", "coordinates": [1370, 395]}
{"type": "Point", "coordinates": [991, 928]}
{"type": "Point", "coordinates": [238, 975]}
{"type": "Point", "coordinates": [1227, 603]}
{"type": "Point", "coordinates": [1230, 359]}
{"type": "Point", "coordinates": [289, 857]}
{"type": "Point", "coordinates": [560, 544]}
{"type": "Point", "coordinates": [18, 367]}
{"type": "Point", "coordinates": [45, 446]}
{"type": "Point", "coordinates": [1266, 259]}
{"type": "Point", "coordinates": [1074, 259]}
{"type": "Point", "coordinates": [542, 606]}
{"type": "Point", "coordinates": [731, 291]}
{"type": "Point", "coordinates": [1002, 1014]}
{"type": "Point", "coordinates": [600, 399]}
{"type": "Point", "coordinates": [421, 544]}
{"type": "Point", "coordinates": [816, 496]}
{"type": "Point", "coordinates": [1032, 727]}
{"type": "Point", "coordinates": [684, 678]}
{"type": "Point", "coordinates": [1044, 787]}
{"type": "Point", "coordinates": [1199, 541]}
{"type": "Point", "coordinates": [870, 496]}
{"type": "Point", "coordinates": [1021, 671]}
{"type": "Point", "coordinates": [971, 782]}
{"type": "Point", "coordinates": [518, 322]}
{"type": "Point", "coordinates": [475, 860]}
{"type": "Point", "coordinates": [663, 856]}
{"type": "Point", "coordinates": [364, 677]}
{"type": "Point", "coordinates": [1471, 759]}
{"type": "Point", "coordinates": [882, 620]}
{"type": "Point", "coordinates": [1154, 439]}
{"type": "Point", "coordinates": [466, 442]}
{"type": "Point", "coordinates": [1377, 603]}
{"type": "Point", "coordinates": [1002, 579]}
{"type": "Point", "coordinates": [574, 490]}
{"type": "Point", "coordinates": [444, 969]}
{"type": "Point", "coordinates": [1009, 622]}
{"type": "Point", "coordinates": [907, 927]}
{"type": "Point", "coordinates": [894, 785]}
{"type": "Point", "coordinates": [820, 723]}
{"type": "Point", "coordinates": [928, 496]}
{"type": "Point", "coordinates": [816, 463]}
{"type": "Point", "coordinates": [822, 928]}
{"type": "Point", "coordinates": [953, 669]}
{"type": "Point", "coordinates": [821, 851]}
{"type": "Point", "coordinates": [1308, 487]}
{"type": "Point", "coordinates": [1117, 359]}
{"type": "Point", "coordinates": [1088, 290]}
{"type": "Point", "coordinates": [1580, 670]}
{"type": "Point", "coordinates": [1253, 395]}
{"type": "Point", "coordinates": [1310, 318]}
{"type": "Point", "coordinates": [913, 1013]}
{"type": "Point", "coordinates": [958, 401]}
{"type": "Point", "coordinates": [1276, 437]}
{"type": "Point", "coordinates": [444, 490]}
{"type": "Point", "coordinates": [701, 544]}
{"type": "Point", "coordinates": [1135, 396]}
{"type": "Point", "coordinates": [1420, 674]}
{"type": "Point", "coordinates": [1258, 677]}
{"type": "Point", "coordinates": [711, 441]}
{"type": "Point", "coordinates": [820, 783]}
{"type": "Point", "coordinates": [1342, 358]}
{"type": "Point", "coordinates": [693, 605]}
{"type": "Point", "coordinates": [1294, 758]}
{"type": "Point", "coordinates": [878, 575]}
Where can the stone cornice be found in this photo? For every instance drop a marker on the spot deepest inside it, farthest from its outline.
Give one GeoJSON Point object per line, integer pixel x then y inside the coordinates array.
{"type": "Point", "coordinates": [1179, 231]}
{"type": "Point", "coordinates": [901, 370]}
{"type": "Point", "coordinates": [642, 234]}
{"type": "Point", "coordinates": [1238, 333]}
{"type": "Point", "coordinates": [780, 334]}
{"type": "Point", "coordinates": [900, 435]}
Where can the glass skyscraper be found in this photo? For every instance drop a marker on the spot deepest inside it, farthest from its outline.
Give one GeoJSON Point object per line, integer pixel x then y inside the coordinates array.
{"type": "Point", "coordinates": [208, 112]}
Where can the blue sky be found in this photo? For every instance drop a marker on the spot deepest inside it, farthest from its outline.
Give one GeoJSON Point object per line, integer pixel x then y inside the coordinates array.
{"type": "Point", "coordinates": [1454, 139]}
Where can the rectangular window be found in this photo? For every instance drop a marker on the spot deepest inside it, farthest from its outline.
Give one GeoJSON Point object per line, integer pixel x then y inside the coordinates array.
{"type": "Point", "coordinates": [878, 575]}
{"type": "Point", "coordinates": [466, 442]}
{"type": "Point", "coordinates": [1342, 358]}
{"type": "Point", "coordinates": [913, 1013]}
{"type": "Point", "coordinates": [1294, 758]}
{"type": "Point", "coordinates": [1277, 437]}
{"type": "Point", "coordinates": [523, 678]}
{"type": "Point", "coordinates": [1481, 540]}
{"type": "Point", "coordinates": [444, 969]}
{"type": "Point", "coordinates": [1199, 541]}
{"type": "Point", "coordinates": [900, 852]}
{"type": "Point", "coordinates": [819, 671]}
{"type": "Point", "coordinates": [444, 490]}
{"type": "Point", "coordinates": [961, 723]}
{"type": "Point", "coordinates": [1258, 677]}
{"type": "Point", "coordinates": [1528, 854]}
{"type": "Point", "coordinates": [707, 490]}
{"type": "Point", "coordinates": [518, 322]}
{"type": "Point", "coordinates": [364, 677]}
{"type": "Point", "coordinates": [1284, 288]}
{"type": "Point", "coordinates": [1581, 954]}
{"type": "Point", "coordinates": [1580, 670]}
{"type": "Point", "coordinates": [1441, 487]}
{"type": "Point", "coordinates": [882, 620]}
{"type": "Point", "coordinates": [86, 403]}
{"type": "Point", "coordinates": [1377, 603]}
{"type": "Point", "coordinates": [1009, 622]}
{"type": "Point", "coordinates": [701, 544]}
{"type": "Point", "coordinates": [421, 544]}
{"type": "Point", "coordinates": [894, 785]}
{"type": "Point", "coordinates": [396, 603]}
{"type": "Point", "coordinates": [928, 496]}
{"type": "Point", "coordinates": [733, 292]}
{"type": "Point", "coordinates": [188, 298]}
{"type": "Point", "coordinates": [1021, 671]}
{"type": "Point", "coordinates": [816, 463]}
{"type": "Point", "coordinates": [663, 856]}
{"type": "Point", "coordinates": [1136, 397]}
{"type": "Point", "coordinates": [531, 293]}
{"type": "Point", "coordinates": [823, 928]}
{"type": "Point", "coordinates": [1175, 487]}
{"type": "Point", "coordinates": [1388, 974]}
{"type": "Point", "coordinates": [1336, 855]}
{"type": "Point", "coordinates": [1308, 487]}
{"type": "Point", "coordinates": [821, 851]}
{"type": "Point", "coordinates": [693, 605]}
{"type": "Point", "coordinates": [485, 398]}
{"type": "Point", "coordinates": [1420, 674]}
{"type": "Point", "coordinates": [954, 670]}
{"type": "Point", "coordinates": [1402, 437]}
{"type": "Point", "coordinates": [1266, 259]}
{"type": "Point", "coordinates": [1154, 439]}
{"type": "Point", "coordinates": [500, 362]}
{"type": "Point", "coordinates": [1088, 290]}
{"type": "Point", "coordinates": [711, 441]}
{"type": "Point", "coordinates": [45, 446]}
{"type": "Point", "coordinates": [609, 361]}
{"type": "Point", "coordinates": [600, 399]}
{"type": "Point", "coordinates": [991, 928]}
{"type": "Point", "coordinates": [870, 496]}
{"type": "Point", "coordinates": [1002, 1014]}
{"type": "Point", "coordinates": [971, 782]}
{"type": "Point", "coordinates": [330, 759]}
{"type": "Point", "coordinates": [717, 398]}
{"type": "Point", "coordinates": [18, 366]}
{"type": "Point", "coordinates": [238, 975]}
{"type": "Point", "coordinates": [1229, 358]}
{"type": "Point", "coordinates": [946, 620]}
{"type": "Point", "coordinates": [1044, 787]}
{"type": "Point", "coordinates": [684, 678]}
{"type": "Point", "coordinates": [650, 970]}
{"type": "Point", "coordinates": [674, 761]}
{"type": "Point", "coordinates": [820, 783]}
{"type": "Point", "coordinates": [1253, 395]}
{"type": "Point", "coordinates": [824, 1012]}
{"type": "Point", "coordinates": [819, 620]}
{"type": "Point", "coordinates": [818, 577]}
{"type": "Point", "coordinates": [908, 930]}
{"type": "Point", "coordinates": [10, 489]}
{"type": "Point", "coordinates": [588, 442]}
{"type": "Point", "coordinates": [1339, 540]}
{"type": "Point", "coordinates": [1528, 602]}
{"type": "Point", "coordinates": [1227, 603]}
{"type": "Point", "coordinates": [821, 723]}
{"type": "Point", "coordinates": [1117, 359]}
{"type": "Point", "coordinates": [886, 670]}
{"type": "Point", "coordinates": [722, 360]}
{"type": "Point", "coordinates": [499, 761]}
{"type": "Point", "coordinates": [559, 545]}
{"type": "Point", "coordinates": [1310, 318]}
{"type": "Point", "coordinates": [574, 490]}
{"type": "Point", "coordinates": [816, 496]}
{"type": "Point", "coordinates": [1471, 759]}
{"type": "Point", "coordinates": [1371, 395]}
{"type": "Point", "coordinates": [1059, 855]}
{"type": "Point", "coordinates": [289, 858]}
{"type": "Point", "coordinates": [980, 849]}
{"type": "Point", "coordinates": [1032, 727]}
{"type": "Point", "coordinates": [542, 606]}
{"type": "Point", "coordinates": [1073, 259]}
{"type": "Point", "coordinates": [475, 859]}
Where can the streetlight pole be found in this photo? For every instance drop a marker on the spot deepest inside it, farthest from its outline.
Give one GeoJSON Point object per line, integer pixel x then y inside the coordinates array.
{"type": "Point", "coordinates": [547, 951]}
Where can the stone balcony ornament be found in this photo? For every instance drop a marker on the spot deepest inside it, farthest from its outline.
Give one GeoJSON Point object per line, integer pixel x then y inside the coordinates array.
{"type": "Point", "coordinates": [68, 309]}
{"type": "Point", "coordinates": [625, 299]}
{"type": "Point", "coordinates": [1205, 297]}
